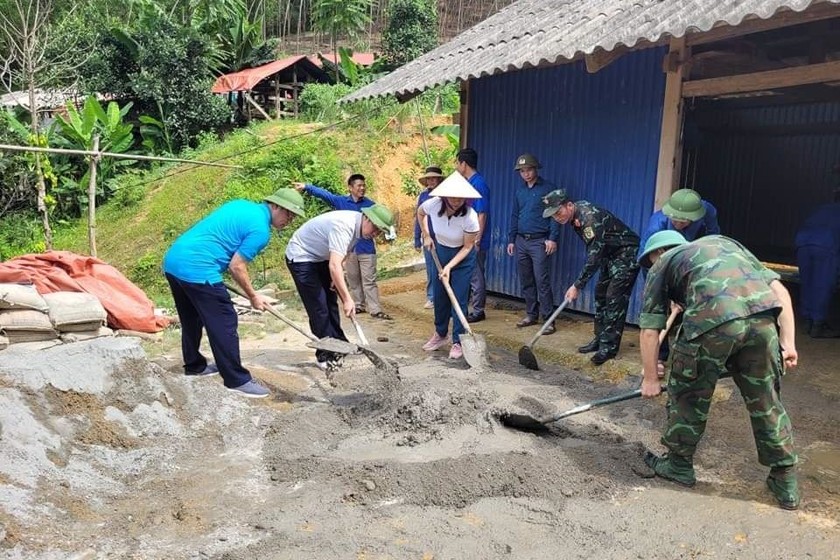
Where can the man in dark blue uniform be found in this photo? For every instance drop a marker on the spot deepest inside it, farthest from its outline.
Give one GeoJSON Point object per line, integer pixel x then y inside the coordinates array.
{"type": "Point", "coordinates": [818, 257]}
{"type": "Point", "coordinates": [533, 239]}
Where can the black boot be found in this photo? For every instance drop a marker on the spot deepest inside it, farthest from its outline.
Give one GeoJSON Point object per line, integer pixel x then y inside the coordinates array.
{"type": "Point", "coordinates": [823, 330]}
{"type": "Point", "coordinates": [591, 346]}
{"type": "Point", "coordinates": [601, 356]}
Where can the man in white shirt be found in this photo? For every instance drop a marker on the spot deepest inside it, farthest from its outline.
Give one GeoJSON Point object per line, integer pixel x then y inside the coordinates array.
{"type": "Point", "coordinates": [315, 255]}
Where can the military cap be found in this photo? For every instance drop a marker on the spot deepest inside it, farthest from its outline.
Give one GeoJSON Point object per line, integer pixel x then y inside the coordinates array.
{"type": "Point", "coordinates": [289, 199]}
{"type": "Point", "coordinates": [553, 201]}
{"type": "Point", "coordinates": [527, 160]}
{"type": "Point", "coordinates": [659, 240]}
{"type": "Point", "coordinates": [685, 204]}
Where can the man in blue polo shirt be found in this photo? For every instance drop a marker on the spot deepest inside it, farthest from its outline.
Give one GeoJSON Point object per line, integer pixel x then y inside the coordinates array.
{"type": "Point", "coordinates": [361, 262]}
{"type": "Point", "coordinates": [466, 162]}
{"type": "Point", "coordinates": [533, 239]}
{"type": "Point", "coordinates": [228, 239]}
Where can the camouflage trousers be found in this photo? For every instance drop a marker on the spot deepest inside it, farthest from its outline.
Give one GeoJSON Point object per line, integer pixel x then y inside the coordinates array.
{"type": "Point", "coordinates": [616, 277]}
{"type": "Point", "coordinates": [748, 350]}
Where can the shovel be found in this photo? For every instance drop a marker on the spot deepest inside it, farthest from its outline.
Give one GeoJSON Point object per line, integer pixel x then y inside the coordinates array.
{"type": "Point", "coordinates": [529, 423]}
{"type": "Point", "coordinates": [474, 346]}
{"type": "Point", "coordinates": [380, 362]}
{"type": "Point", "coordinates": [526, 353]}
{"type": "Point", "coordinates": [327, 344]}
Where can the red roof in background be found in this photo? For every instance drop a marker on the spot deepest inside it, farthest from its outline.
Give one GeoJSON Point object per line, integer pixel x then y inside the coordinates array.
{"type": "Point", "coordinates": [245, 80]}
{"type": "Point", "coordinates": [362, 58]}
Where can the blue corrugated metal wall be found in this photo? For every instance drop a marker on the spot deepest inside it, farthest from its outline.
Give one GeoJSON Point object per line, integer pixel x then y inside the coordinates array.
{"type": "Point", "coordinates": [765, 168]}
{"type": "Point", "coordinates": [597, 135]}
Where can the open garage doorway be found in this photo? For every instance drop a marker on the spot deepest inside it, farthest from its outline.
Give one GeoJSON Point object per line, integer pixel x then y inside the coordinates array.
{"type": "Point", "coordinates": [769, 157]}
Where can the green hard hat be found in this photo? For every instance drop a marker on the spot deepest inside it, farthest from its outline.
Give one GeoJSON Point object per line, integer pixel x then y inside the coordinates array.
{"type": "Point", "coordinates": [289, 199]}
{"type": "Point", "coordinates": [380, 216]}
{"type": "Point", "coordinates": [659, 240]}
{"type": "Point", "coordinates": [526, 160]}
{"type": "Point", "coordinates": [685, 204]}
{"type": "Point", "coordinates": [553, 201]}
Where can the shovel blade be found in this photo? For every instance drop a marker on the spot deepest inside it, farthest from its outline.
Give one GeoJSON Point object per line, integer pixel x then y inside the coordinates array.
{"type": "Point", "coordinates": [333, 345]}
{"type": "Point", "coordinates": [527, 358]}
{"type": "Point", "coordinates": [523, 422]}
{"type": "Point", "coordinates": [380, 362]}
{"type": "Point", "coordinates": [475, 350]}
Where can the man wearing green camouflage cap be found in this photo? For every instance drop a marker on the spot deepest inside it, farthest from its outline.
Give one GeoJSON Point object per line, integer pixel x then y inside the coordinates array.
{"type": "Point", "coordinates": [738, 321]}
{"type": "Point", "coordinates": [611, 251]}
{"type": "Point", "coordinates": [227, 239]}
{"type": "Point", "coordinates": [315, 257]}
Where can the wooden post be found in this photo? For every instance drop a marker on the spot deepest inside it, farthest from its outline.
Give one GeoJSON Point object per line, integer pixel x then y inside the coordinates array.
{"type": "Point", "coordinates": [277, 96]}
{"type": "Point", "coordinates": [295, 90]}
{"type": "Point", "coordinates": [94, 160]}
{"type": "Point", "coordinates": [465, 112]}
{"type": "Point", "coordinates": [670, 138]}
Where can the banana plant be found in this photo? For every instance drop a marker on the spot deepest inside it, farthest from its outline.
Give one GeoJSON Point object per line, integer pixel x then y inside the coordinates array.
{"type": "Point", "coordinates": [77, 131]}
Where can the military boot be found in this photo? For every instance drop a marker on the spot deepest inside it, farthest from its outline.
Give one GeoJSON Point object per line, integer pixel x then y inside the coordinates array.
{"type": "Point", "coordinates": [591, 346]}
{"type": "Point", "coordinates": [672, 467]}
{"type": "Point", "coordinates": [783, 484]}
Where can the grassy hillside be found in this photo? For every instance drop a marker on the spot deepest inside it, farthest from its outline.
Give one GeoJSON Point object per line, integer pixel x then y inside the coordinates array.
{"type": "Point", "coordinates": [136, 228]}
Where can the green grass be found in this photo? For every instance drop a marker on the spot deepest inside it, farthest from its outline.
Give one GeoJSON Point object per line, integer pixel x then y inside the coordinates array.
{"type": "Point", "coordinates": [134, 231]}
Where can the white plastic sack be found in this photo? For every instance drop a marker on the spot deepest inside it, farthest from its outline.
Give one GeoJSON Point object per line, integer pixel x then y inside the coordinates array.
{"type": "Point", "coordinates": [74, 311]}
{"type": "Point", "coordinates": [24, 320]}
{"type": "Point", "coordinates": [21, 296]}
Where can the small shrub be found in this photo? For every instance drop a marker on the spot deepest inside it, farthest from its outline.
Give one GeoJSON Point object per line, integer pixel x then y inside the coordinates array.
{"type": "Point", "coordinates": [319, 102]}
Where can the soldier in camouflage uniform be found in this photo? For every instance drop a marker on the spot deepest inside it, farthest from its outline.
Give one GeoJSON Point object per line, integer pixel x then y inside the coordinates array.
{"type": "Point", "coordinates": [738, 321]}
{"type": "Point", "coordinates": [611, 249]}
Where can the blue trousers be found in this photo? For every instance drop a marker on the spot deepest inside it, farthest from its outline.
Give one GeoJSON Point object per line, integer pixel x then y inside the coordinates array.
{"type": "Point", "coordinates": [208, 307]}
{"type": "Point", "coordinates": [533, 274]}
{"type": "Point", "coordinates": [431, 275]}
{"type": "Point", "coordinates": [478, 288]}
{"type": "Point", "coordinates": [459, 279]}
{"type": "Point", "coordinates": [817, 280]}
{"type": "Point", "coordinates": [312, 280]}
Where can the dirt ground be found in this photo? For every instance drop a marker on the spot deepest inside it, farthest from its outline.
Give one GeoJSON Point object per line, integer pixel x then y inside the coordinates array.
{"type": "Point", "coordinates": [109, 452]}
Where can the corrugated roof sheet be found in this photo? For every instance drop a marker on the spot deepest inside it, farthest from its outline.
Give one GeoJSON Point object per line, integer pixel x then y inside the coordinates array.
{"type": "Point", "coordinates": [533, 32]}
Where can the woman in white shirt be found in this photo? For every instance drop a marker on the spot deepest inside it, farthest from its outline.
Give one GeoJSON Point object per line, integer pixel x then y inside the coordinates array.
{"type": "Point", "coordinates": [455, 226]}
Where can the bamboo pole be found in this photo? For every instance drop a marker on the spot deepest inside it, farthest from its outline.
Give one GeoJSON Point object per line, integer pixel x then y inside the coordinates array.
{"type": "Point", "coordinates": [94, 160]}
{"type": "Point", "coordinates": [113, 155]}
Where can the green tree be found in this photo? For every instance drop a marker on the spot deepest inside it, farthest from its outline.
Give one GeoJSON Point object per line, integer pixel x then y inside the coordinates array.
{"type": "Point", "coordinates": [411, 31]}
{"type": "Point", "coordinates": [340, 17]}
{"type": "Point", "coordinates": [166, 70]}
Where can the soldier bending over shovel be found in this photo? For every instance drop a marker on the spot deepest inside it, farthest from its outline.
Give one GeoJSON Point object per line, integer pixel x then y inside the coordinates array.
{"type": "Point", "coordinates": [738, 321]}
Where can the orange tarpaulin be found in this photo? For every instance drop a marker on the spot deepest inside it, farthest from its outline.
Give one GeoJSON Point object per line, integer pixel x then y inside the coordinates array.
{"type": "Point", "coordinates": [63, 271]}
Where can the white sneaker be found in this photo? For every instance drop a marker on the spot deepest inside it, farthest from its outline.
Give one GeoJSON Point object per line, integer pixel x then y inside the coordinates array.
{"type": "Point", "coordinates": [429, 304]}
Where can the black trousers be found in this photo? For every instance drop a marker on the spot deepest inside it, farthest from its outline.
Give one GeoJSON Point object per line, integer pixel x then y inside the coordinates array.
{"type": "Point", "coordinates": [208, 307]}
{"type": "Point", "coordinates": [312, 280]}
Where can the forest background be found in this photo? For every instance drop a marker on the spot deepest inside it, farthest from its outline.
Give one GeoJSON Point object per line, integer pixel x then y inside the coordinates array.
{"type": "Point", "coordinates": [136, 79]}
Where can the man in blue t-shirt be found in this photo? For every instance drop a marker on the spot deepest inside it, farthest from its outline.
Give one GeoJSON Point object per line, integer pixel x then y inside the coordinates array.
{"type": "Point", "coordinates": [466, 162]}
{"type": "Point", "coordinates": [360, 264]}
{"type": "Point", "coordinates": [227, 239]}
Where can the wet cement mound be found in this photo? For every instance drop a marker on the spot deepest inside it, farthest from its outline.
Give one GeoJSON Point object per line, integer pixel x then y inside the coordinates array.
{"type": "Point", "coordinates": [435, 441]}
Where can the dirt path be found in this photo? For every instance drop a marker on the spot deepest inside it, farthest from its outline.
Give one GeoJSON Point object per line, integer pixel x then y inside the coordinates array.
{"type": "Point", "coordinates": [135, 461]}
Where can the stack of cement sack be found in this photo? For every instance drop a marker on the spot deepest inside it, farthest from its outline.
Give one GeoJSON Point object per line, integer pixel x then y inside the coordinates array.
{"type": "Point", "coordinates": [27, 316]}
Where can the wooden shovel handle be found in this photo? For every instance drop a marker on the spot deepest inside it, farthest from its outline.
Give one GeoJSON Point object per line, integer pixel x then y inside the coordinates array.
{"type": "Point", "coordinates": [271, 309]}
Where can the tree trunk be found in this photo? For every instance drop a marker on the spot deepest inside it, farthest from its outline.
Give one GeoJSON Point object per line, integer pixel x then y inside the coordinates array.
{"type": "Point", "coordinates": [39, 172]}
{"type": "Point", "coordinates": [335, 55]}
